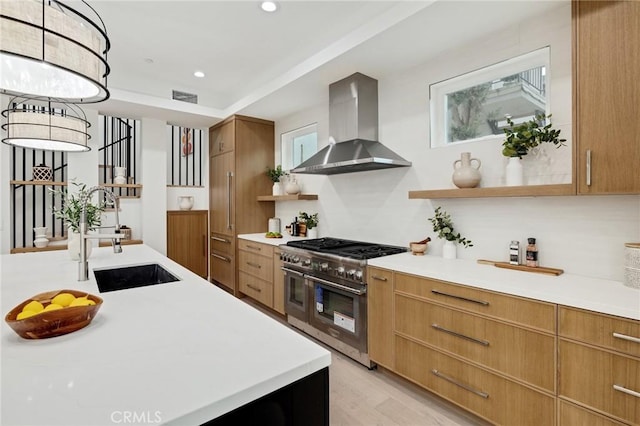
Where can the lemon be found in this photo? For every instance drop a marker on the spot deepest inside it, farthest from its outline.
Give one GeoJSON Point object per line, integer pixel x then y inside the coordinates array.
{"type": "Point", "coordinates": [52, 307]}
{"type": "Point", "coordinates": [26, 314]}
{"type": "Point", "coordinates": [63, 299]}
{"type": "Point", "coordinates": [82, 301]}
{"type": "Point", "coordinates": [33, 306]}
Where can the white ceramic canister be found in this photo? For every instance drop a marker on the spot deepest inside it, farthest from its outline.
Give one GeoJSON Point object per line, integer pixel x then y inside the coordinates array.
{"type": "Point", "coordinates": [274, 224]}
{"type": "Point", "coordinates": [632, 265]}
{"type": "Point", "coordinates": [41, 239]}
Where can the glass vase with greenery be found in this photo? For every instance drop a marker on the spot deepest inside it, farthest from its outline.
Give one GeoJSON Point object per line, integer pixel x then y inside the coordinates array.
{"type": "Point", "coordinates": [71, 208]}
{"type": "Point", "coordinates": [443, 226]}
{"type": "Point", "coordinates": [276, 174]}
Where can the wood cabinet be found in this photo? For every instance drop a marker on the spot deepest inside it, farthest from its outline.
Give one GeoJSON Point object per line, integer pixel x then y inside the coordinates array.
{"type": "Point", "coordinates": [240, 150]}
{"type": "Point", "coordinates": [599, 363]}
{"type": "Point", "coordinates": [187, 239]}
{"type": "Point", "coordinates": [606, 96]}
{"type": "Point", "coordinates": [491, 353]}
{"type": "Point", "coordinates": [260, 276]}
{"type": "Point", "coordinates": [380, 316]}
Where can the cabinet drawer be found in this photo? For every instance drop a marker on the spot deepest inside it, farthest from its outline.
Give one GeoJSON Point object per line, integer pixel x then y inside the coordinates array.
{"type": "Point", "coordinates": [611, 332]}
{"type": "Point", "coordinates": [256, 265]}
{"type": "Point", "coordinates": [572, 415]}
{"type": "Point", "coordinates": [531, 313]}
{"type": "Point", "coordinates": [588, 375]}
{"type": "Point", "coordinates": [257, 289]}
{"type": "Point", "coordinates": [492, 397]}
{"type": "Point", "coordinates": [257, 248]}
{"type": "Point", "coordinates": [223, 270]}
{"type": "Point", "coordinates": [514, 351]}
{"type": "Point", "coordinates": [222, 243]}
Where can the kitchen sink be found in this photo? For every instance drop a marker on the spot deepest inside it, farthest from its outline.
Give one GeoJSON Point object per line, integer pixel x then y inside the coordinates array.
{"type": "Point", "coordinates": [113, 279]}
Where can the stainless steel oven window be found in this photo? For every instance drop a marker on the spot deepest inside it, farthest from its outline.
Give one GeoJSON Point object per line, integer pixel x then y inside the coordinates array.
{"type": "Point", "coordinates": [297, 298]}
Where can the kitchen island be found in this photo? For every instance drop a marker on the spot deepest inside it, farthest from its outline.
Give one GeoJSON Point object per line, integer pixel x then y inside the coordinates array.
{"type": "Point", "coordinates": [177, 353]}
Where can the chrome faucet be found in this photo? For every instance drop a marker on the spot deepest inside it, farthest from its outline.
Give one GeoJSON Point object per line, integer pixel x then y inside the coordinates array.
{"type": "Point", "coordinates": [83, 264]}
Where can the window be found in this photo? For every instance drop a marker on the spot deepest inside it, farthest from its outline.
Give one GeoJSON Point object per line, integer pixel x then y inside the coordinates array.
{"type": "Point", "coordinates": [474, 106]}
{"type": "Point", "coordinates": [298, 145]}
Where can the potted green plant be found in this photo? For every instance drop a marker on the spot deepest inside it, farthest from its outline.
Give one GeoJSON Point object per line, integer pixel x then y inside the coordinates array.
{"type": "Point", "coordinates": [311, 222]}
{"type": "Point", "coordinates": [275, 175]}
{"type": "Point", "coordinates": [70, 211]}
{"type": "Point", "coordinates": [524, 137]}
{"type": "Point", "coordinates": [443, 226]}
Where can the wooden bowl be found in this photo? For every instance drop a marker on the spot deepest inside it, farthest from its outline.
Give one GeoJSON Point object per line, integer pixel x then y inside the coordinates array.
{"type": "Point", "coordinates": [53, 323]}
{"type": "Point", "coordinates": [418, 249]}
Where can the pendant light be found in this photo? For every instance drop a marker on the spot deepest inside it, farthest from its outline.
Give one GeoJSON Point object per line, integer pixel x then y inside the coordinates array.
{"type": "Point", "coordinates": [51, 125]}
{"type": "Point", "coordinates": [50, 50]}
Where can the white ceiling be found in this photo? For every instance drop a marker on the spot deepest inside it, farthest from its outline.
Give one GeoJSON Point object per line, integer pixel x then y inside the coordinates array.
{"type": "Point", "coordinates": [271, 65]}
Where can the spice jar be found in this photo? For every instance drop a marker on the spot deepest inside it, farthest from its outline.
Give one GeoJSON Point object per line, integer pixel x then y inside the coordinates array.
{"type": "Point", "coordinates": [532, 253]}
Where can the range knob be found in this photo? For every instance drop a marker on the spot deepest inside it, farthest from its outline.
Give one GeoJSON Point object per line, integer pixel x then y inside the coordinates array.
{"type": "Point", "coordinates": [295, 259]}
{"type": "Point", "coordinates": [324, 267]}
{"type": "Point", "coordinates": [340, 270]}
{"type": "Point", "coordinates": [306, 262]}
{"type": "Point", "coordinates": [359, 275]}
{"type": "Point", "coordinates": [351, 273]}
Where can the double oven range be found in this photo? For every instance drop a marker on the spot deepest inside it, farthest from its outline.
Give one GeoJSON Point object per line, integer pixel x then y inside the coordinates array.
{"type": "Point", "coordinates": [326, 290]}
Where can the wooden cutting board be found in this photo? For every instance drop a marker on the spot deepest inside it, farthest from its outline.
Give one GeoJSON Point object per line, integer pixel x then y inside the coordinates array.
{"type": "Point", "coordinates": [507, 265]}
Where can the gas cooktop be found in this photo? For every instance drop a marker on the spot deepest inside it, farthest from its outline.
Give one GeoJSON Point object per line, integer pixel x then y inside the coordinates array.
{"type": "Point", "coordinates": [347, 248]}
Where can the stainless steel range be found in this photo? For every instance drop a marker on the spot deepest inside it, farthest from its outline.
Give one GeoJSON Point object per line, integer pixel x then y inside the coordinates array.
{"type": "Point", "coordinates": [326, 290]}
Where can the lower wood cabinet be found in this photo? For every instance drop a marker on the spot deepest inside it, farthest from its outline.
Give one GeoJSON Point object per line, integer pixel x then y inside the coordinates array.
{"type": "Point", "coordinates": [380, 316]}
{"type": "Point", "coordinates": [187, 239]}
{"type": "Point", "coordinates": [260, 275]}
{"type": "Point", "coordinates": [571, 414]}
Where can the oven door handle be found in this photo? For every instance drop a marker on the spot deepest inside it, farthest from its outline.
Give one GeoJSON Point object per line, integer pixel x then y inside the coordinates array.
{"type": "Point", "coordinates": [338, 286]}
{"type": "Point", "coordinates": [292, 271]}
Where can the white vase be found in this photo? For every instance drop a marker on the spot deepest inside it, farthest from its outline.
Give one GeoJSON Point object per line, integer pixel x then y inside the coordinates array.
{"type": "Point", "coordinates": [120, 175]}
{"type": "Point", "coordinates": [465, 175]}
{"type": "Point", "coordinates": [277, 189]}
{"type": "Point", "coordinates": [292, 187]}
{"type": "Point", "coordinates": [41, 239]}
{"type": "Point", "coordinates": [312, 232]}
{"type": "Point", "coordinates": [449, 250]}
{"type": "Point", "coordinates": [514, 172]}
{"type": "Point", "coordinates": [185, 202]}
{"type": "Point", "coordinates": [73, 245]}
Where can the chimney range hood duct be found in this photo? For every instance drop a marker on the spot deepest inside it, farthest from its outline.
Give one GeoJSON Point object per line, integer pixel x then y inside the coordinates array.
{"type": "Point", "coordinates": [353, 123]}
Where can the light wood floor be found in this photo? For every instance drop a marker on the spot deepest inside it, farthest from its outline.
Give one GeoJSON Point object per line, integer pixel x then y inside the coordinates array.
{"type": "Point", "coordinates": [363, 397]}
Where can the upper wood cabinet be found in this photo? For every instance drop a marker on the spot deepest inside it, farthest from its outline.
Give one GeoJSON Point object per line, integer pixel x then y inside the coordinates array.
{"type": "Point", "coordinates": [607, 96]}
{"type": "Point", "coordinates": [187, 239]}
{"type": "Point", "coordinates": [241, 149]}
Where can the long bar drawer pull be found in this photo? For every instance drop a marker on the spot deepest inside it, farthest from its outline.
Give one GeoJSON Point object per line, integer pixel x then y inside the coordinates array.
{"type": "Point", "coordinates": [479, 302]}
{"type": "Point", "coordinates": [258, 289]}
{"type": "Point", "coordinates": [255, 265]}
{"type": "Point", "coordinates": [217, 256]}
{"type": "Point", "coordinates": [627, 391]}
{"type": "Point", "coordinates": [625, 337]}
{"type": "Point", "coordinates": [254, 247]}
{"type": "Point", "coordinates": [375, 277]}
{"type": "Point", "coordinates": [222, 240]}
{"type": "Point", "coordinates": [462, 336]}
{"type": "Point", "coordinates": [455, 382]}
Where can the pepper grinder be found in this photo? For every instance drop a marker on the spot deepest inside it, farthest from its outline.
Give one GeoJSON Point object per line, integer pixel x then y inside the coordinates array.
{"type": "Point", "coordinates": [295, 227]}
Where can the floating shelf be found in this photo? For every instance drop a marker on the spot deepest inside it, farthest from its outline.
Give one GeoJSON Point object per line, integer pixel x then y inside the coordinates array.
{"type": "Point", "coordinates": [121, 185]}
{"type": "Point", "coordinates": [500, 191]}
{"type": "Point", "coordinates": [294, 197]}
{"type": "Point", "coordinates": [37, 182]}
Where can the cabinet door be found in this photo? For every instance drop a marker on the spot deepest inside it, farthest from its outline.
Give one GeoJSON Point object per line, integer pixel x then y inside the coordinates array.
{"type": "Point", "coordinates": [607, 95]}
{"type": "Point", "coordinates": [278, 282]}
{"type": "Point", "coordinates": [222, 139]}
{"type": "Point", "coordinates": [380, 316]}
{"type": "Point", "coordinates": [221, 197]}
{"type": "Point", "coordinates": [187, 239]}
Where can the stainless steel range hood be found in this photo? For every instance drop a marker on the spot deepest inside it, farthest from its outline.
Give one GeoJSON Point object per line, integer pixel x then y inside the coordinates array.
{"type": "Point", "coordinates": [353, 132]}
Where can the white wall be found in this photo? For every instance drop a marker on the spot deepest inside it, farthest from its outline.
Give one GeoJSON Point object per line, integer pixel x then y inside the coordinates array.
{"type": "Point", "coordinates": [582, 235]}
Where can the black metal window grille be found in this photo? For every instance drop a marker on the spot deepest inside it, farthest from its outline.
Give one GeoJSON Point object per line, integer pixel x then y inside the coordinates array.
{"type": "Point", "coordinates": [119, 148]}
{"type": "Point", "coordinates": [31, 201]}
{"type": "Point", "coordinates": [185, 159]}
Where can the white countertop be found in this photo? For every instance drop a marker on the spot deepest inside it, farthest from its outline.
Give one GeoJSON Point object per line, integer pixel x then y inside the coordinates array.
{"type": "Point", "coordinates": [177, 353]}
{"type": "Point", "coordinates": [260, 238]}
{"type": "Point", "coordinates": [606, 296]}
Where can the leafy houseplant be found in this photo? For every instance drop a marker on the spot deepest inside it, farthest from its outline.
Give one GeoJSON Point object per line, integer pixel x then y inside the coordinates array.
{"type": "Point", "coordinates": [523, 137]}
{"type": "Point", "coordinates": [276, 174]}
{"type": "Point", "coordinates": [71, 208]}
{"type": "Point", "coordinates": [443, 225]}
{"type": "Point", "coordinates": [310, 220]}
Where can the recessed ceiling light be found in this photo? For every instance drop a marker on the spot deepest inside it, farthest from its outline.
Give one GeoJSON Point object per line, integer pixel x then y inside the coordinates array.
{"type": "Point", "coordinates": [148, 60]}
{"type": "Point", "coordinates": [269, 6]}
{"type": "Point", "coordinates": [198, 74]}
